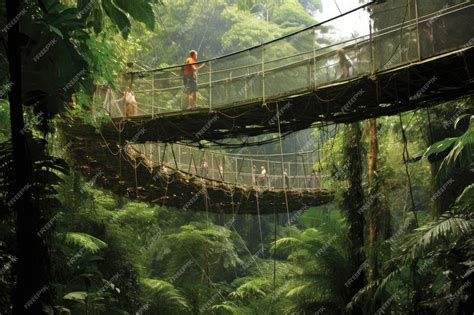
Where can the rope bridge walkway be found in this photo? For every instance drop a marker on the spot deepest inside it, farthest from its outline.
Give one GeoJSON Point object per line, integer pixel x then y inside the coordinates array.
{"type": "Point", "coordinates": [424, 57]}
{"type": "Point", "coordinates": [191, 179]}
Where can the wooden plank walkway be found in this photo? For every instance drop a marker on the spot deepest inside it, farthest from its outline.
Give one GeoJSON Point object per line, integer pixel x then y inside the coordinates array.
{"type": "Point", "coordinates": [130, 177]}
{"type": "Point", "coordinates": [417, 85]}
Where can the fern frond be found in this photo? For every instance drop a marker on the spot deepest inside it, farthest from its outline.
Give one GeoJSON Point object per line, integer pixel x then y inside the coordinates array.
{"type": "Point", "coordinates": [83, 240]}
{"type": "Point", "coordinates": [165, 294]}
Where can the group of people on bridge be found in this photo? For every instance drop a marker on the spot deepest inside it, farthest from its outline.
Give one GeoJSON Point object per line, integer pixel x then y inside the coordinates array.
{"type": "Point", "coordinates": [189, 73]}
{"type": "Point", "coordinates": [261, 179]}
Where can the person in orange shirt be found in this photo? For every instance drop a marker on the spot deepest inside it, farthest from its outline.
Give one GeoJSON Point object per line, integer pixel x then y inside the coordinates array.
{"type": "Point", "coordinates": [190, 77]}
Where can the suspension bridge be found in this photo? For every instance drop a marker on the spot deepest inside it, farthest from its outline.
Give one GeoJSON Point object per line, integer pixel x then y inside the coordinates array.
{"type": "Point", "coordinates": [417, 61]}
{"type": "Point", "coordinates": [282, 86]}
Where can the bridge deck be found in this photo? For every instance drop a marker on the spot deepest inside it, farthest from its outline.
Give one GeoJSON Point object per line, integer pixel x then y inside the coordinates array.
{"type": "Point", "coordinates": [422, 84]}
{"type": "Point", "coordinates": [130, 176]}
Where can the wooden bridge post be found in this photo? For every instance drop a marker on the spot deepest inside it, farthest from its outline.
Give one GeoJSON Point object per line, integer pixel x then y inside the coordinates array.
{"type": "Point", "coordinates": [263, 76]}
{"type": "Point", "coordinates": [417, 19]}
{"type": "Point", "coordinates": [210, 85]}
{"type": "Point", "coordinates": [236, 167]}
{"type": "Point", "coordinates": [247, 83]}
{"type": "Point", "coordinates": [212, 165]}
{"type": "Point", "coordinates": [314, 57]}
{"type": "Point", "coordinates": [268, 172]}
{"type": "Point", "coordinates": [251, 171]}
{"type": "Point", "coordinates": [152, 95]}
{"type": "Point", "coordinates": [371, 45]}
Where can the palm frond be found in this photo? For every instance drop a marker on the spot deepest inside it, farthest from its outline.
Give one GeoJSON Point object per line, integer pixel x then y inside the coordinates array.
{"type": "Point", "coordinates": [461, 155]}
{"type": "Point", "coordinates": [448, 227]}
{"type": "Point", "coordinates": [465, 202]}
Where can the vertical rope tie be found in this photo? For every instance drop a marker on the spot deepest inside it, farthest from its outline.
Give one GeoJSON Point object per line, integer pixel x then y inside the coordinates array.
{"type": "Point", "coordinates": [259, 220]}
{"type": "Point", "coordinates": [283, 169]}
{"type": "Point", "coordinates": [136, 177]}
{"type": "Point", "coordinates": [406, 157]}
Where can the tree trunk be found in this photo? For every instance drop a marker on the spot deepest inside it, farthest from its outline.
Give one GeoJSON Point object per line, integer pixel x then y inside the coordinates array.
{"type": "Point", "coordinates": [352, 202]}
{"type": "Point", "coordinates": [32, 288]}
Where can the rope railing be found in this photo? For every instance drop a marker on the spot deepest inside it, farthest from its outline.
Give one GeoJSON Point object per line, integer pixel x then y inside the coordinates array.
{"type": "Point", "coordinates": [298, 169]}
{"type": "Point", "coordinates": [295, 64]}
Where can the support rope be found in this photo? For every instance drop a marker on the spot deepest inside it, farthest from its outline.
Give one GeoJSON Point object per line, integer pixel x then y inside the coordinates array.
{"type": "Point", "coordinates": [406, 157]}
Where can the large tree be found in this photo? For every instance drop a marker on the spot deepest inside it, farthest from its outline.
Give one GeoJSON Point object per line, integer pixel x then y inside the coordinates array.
{"type": "Point", "coordinates": [49, 39]}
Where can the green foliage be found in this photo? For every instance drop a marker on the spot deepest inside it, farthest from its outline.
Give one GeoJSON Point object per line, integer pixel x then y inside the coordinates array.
{"type": "Point", "coordinates": [253, 288]}
{"type": "Point", "coordinates": [431, 263]}
{"type": "Point", "coordinates": [322, 265]}
{"type": "Point", "coordinates": [461, 157]}
{"type": "Point", "coordinates": [164, 298]}
{"type": "Point", "coordinates": [85, 241]}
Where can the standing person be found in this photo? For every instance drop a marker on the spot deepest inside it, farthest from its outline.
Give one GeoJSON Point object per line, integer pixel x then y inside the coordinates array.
{"type": "Point", "coordinates": [286, 178]}
{"type": "Point", "coordinates": [131, 107]}
{"type": "Point", "coordinates": [190, 71]}
{"type": "Point", "coordinates": [205, 169]}
{"type": "Point", "coordinates": [344, 63]}
{"type": "Point", "coordinates": [263, 176]}
{"type": "Point", "coordinates": [254, 175]}
{"type": "Point", "coordinates": [131, 104]}
{"type": "Point", "coordinates": [426, 40]}
{"type": "Point", "coordinates": [221, 171]}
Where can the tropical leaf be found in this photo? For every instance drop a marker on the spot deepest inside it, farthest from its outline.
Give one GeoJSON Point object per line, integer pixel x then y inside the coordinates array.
{"type": "Point", "coordinates": [139, 10]}
{"type": "Point", "coordinates": [379, 285]}
{"type": "Point", "coordinates": [448, 227]}
{"type": "Point", "coordinates": [118, 17]}
{"type": "Point", "coordinates": [229, 308]}
{"type": "Point", "coordinates": [461, 119]}
{"type": "Point", "coordinates": [165, 295]}
{"type": "Point", "coordinates": [286, 243]}
{"type": "Point", "coordinates": [78, 296]}
{"type": "Point", "coordinates": [83, 240]}
{"type": "Point", "coordinates": [439, 150]}
{"type": "Point", "coordinates": [298, 291]}
{"type": "Point", "coordinates": [254, 288]}
{"type": "Point", "coordinates": [465, 202]}
{"type": "Point", "coordinates": [461, 155]}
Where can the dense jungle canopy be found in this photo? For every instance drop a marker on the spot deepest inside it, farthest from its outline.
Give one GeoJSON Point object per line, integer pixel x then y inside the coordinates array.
{"type": "Point", "coordinates": [393, 236]}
